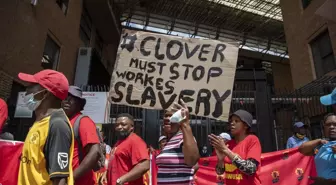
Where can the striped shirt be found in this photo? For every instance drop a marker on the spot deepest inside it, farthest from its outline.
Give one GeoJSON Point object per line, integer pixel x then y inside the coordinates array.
{"type": "Point", "coordinates": [171, 167]}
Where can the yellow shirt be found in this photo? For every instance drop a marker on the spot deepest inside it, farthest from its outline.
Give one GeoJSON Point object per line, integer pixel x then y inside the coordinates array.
{"type": "Point", "coordinates": [47, 151]}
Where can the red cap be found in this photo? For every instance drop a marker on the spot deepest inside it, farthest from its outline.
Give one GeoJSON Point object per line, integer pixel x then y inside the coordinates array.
{"type": "Point", "coordinates": [3, 113]}
{"type": "Point", "coordinates": [54, 81]}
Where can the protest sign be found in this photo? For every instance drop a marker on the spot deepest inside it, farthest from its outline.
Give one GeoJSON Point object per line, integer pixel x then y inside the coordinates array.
{"type": "Point", "coordinates": [153, 70]}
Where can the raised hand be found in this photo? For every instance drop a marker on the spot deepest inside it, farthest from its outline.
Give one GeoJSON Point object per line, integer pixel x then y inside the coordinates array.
{"type": "Point", "coordinates": [219, 145]}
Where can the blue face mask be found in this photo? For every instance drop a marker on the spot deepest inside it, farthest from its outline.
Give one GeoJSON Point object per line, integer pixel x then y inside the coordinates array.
{"type": "Point", "coordinates": [31, 103]}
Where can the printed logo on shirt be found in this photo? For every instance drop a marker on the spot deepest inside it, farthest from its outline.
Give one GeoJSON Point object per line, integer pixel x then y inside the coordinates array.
{"type": "Point", "coordinates": [24, 159]}
{"type": "Point", "coordinates": [63, 160]}
{"type": "Point", "coordinates": [34, 138]}
{"type": "Point", "coordinates": [275, 176]}
{"type": "Point", "coordinates": [205, 162]}
{"type": "Point", "coordinates": [299, 172]}
{"type": "Point", "coordinates": [230, 168]}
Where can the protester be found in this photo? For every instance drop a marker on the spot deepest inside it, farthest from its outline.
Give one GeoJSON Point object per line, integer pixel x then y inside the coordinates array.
{"type": "Point", "coordinates": [162, 142]}
{"type": "Point", "coordinates": [47, 151]}
{"type": "Point", "coordinates": [88, 141]}
{"type": "Point", "coordinates": [4, 134]}
{"type": "Point", "coordinates": [226, 137]}
{"type": "Point", "coordinates": [299, 136]}
{"type": "Point", "coordinates": [3, 114]}
{"type": "Point", "coordinates": [238, 158]}
{"type": "Point", "coordinates": [130, 160]}
{"type": "Point", "coordinates": [101, 174]}
{"type": "Point", "coordinates": [180, 154]}
{"type": "Point", "coordinates": [324, 152]}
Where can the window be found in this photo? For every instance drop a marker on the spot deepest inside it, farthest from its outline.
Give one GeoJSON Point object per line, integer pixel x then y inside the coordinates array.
{"type": "Point", "coordinates": [85, 28]}
{"type": "Point", "coordinates": [50, 54]}
{"type": "Point", "coordinates": [323, 56]}
{"type": "Point", "coordinates": [305, 3]}
{"type": "Point", "coordinates": [63, 4]}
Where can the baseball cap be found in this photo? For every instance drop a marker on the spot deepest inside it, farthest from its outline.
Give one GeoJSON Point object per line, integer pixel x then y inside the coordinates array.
{"type": "Point", "coordinates": [225, 136]}
{"type": "Point", "coordinates": [54, 81]}
{"type": "Point", "coordinates": [299, 124]}
{"type": "Point", "coordinates": [244, 116]}
{"type": "Point", "coordinates": [162, 138]}
{"type": "Point", "coordinates": [329, 99]}
{"type": "Point", "coordinates": [78, 93]}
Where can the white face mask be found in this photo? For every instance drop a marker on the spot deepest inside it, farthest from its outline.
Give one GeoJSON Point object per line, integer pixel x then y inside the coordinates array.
{"type": "Point", "coordinates": [31, 103]}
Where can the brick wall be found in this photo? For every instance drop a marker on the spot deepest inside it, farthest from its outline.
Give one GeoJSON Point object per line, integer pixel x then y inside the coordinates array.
{"type": "Point", "coordinates": [282, 76]}
{"type": "Point", "coordinates": [302, 26]}
{"type": "Point", "coordinates": [24, 31]}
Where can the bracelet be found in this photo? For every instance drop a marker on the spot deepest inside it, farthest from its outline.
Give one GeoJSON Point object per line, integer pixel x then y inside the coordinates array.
{"type": "Point", "coordinates": [236, 157]}
{"type": "Point", "coordinates": [220, 170]}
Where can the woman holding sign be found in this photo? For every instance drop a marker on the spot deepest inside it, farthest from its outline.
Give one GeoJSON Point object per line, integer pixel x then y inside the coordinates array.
{"type": "Point", "coordinates": [179, 155]}
{"type": "Point", "coordinates": [240, 157]}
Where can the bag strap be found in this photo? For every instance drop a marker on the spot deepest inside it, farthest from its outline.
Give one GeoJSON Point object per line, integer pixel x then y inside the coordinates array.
{"type": "Point", "coordinates": [77, 137]}
{"type": "Point", "coordinates": [99, 137]}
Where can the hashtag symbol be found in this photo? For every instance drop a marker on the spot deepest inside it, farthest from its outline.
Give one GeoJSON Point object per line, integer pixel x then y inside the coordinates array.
{"type": "Point", "coordinates": [128, 42]}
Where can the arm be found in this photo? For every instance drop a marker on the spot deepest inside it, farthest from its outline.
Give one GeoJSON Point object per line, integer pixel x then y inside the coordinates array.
{"type": "Point", "coordinates": [195, 168]}
{"type": "Point", "coordinates": [137, 171]}
{"type": "Point", "coordinates": [289, 144]}
{"type": "Point", "coordinates": [58, 150]}
{"type": "Point", "coordinates": [308, 147]}
{"type": "Point", "coordinates": [249, 166]}
{"type": "Point", "coordinates": [90, 142]}
{"type": "Point", "coordinates": [189, 148]}
{"type": "Point", "coordinates": [139, 158]}
{"type": "Point", "coordinates": [59, 181]}
{"type": "Point", "coordinates": [89, 161]}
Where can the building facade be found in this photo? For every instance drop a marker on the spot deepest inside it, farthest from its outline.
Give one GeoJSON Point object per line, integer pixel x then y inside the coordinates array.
{"type": "Point", "coordinates": [50, 34]}
{"type": "Point", "coordinates": [310, 28]}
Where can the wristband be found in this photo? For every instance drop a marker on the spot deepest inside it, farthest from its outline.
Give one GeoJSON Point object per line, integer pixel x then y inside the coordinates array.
{"type": "Point", "coordinates": [220, 170]}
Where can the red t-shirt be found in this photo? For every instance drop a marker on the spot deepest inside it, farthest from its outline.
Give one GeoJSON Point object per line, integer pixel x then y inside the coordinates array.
{"type": "Point", "coordinates": [127, 154]}
{"type": "Point", "coordinates": [248, 148]}
{"type": "Point", "coordinates": [88, 135]}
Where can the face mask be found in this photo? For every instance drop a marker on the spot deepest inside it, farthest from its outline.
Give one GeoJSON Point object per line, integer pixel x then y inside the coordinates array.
{"type": "Point", "coordinates": [31, 103]}
{"type": "Point", "coordinates": [300, 136]}
{"type": "Point", "coordinates": [176, 117]}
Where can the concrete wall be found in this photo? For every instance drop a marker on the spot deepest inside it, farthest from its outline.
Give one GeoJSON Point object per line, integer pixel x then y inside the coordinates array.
{"type": "Point", "coordinates": [302, 26]}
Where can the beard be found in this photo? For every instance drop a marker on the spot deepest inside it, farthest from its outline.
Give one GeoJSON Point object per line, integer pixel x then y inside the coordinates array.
{"type": "Point", "coordinates": [123, 134]}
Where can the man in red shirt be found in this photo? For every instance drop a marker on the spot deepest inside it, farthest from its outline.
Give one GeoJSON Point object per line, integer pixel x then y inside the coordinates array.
{"type": "Point", "coordinates": [129, 160]}
{"type": "Point", "coordinates": [83, 173]}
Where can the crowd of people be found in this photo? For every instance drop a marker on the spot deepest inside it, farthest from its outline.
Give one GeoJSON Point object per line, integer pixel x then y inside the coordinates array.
{"type": "Point", "coordinates": [64, 146]}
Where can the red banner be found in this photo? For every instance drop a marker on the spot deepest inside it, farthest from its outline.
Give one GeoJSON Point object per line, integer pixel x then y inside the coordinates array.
{"type": "Point", "coordinates": [10, 153]}
{"type": "Point", "coordinates": [278, 168]}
